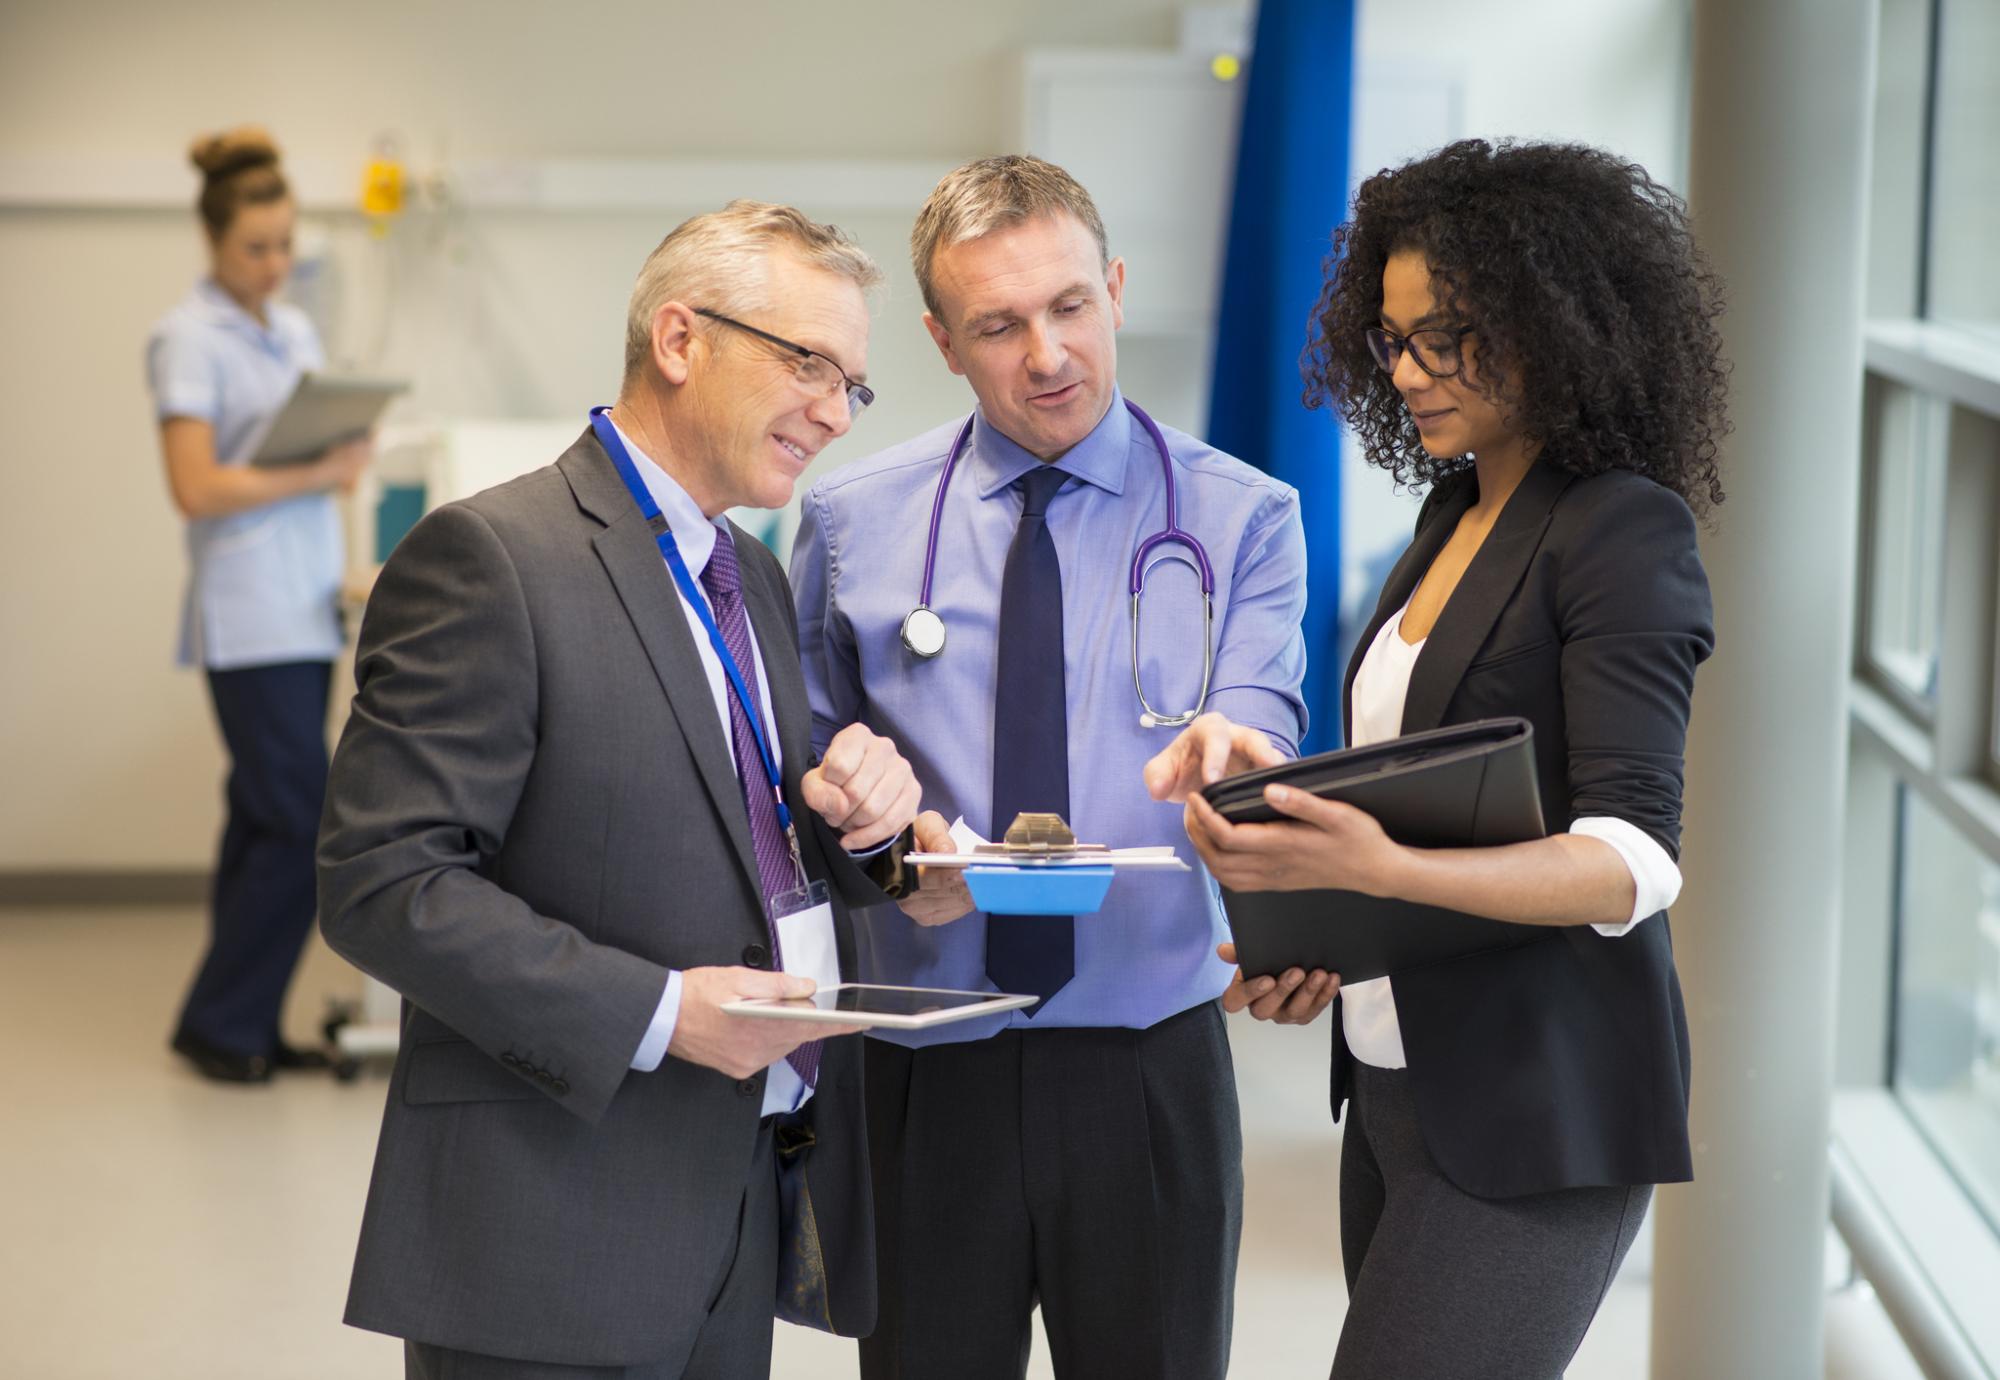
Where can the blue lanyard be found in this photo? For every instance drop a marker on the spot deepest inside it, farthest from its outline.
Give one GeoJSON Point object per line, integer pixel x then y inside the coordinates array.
{"type": "Point", "coordinates": [607, 436]}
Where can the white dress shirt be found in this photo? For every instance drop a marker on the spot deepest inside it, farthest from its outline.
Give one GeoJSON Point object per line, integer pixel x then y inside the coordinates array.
{"type": "Point", "coordinates": [1381, 684]}
{"type": "Point", "coordinates": [784, 1091]}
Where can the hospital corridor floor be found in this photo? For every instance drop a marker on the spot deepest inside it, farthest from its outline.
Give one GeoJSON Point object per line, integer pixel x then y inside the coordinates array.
{"type": "Point", "coordinates": [158, 1225]}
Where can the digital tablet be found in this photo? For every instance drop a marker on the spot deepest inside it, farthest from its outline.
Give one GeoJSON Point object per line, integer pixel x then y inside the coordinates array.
{"type": "Point", "coordinates": [323, 411]}
{"type": "Point", "coordinates": [867, 1004]}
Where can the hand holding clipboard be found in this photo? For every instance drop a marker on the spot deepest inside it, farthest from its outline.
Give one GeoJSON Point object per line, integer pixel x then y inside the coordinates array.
{"type": "Point", "coordinates": [1469, 785]}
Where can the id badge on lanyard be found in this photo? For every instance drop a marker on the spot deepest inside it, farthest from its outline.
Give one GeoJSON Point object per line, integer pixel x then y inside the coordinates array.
{"type": "Point", "coordinates": [802, 919]}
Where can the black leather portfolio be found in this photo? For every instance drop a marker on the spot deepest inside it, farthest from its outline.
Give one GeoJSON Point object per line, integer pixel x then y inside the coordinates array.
{"type": "Point", "coordinates": [1466, 786]}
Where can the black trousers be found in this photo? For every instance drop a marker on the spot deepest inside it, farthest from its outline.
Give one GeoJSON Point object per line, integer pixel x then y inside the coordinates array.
{"type": "Point", "coordinates": [1098, 1172]}
{"type": "Point", "coordinates": [1445, 1286]}
{"type": "Point", "coordinates": [734, 1342]}
{"type": "Point", "coordinates": [273, 721]}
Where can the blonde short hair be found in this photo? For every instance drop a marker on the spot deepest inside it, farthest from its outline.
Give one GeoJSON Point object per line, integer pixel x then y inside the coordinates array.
{"type": "Point", "coordinates": [990, 194]}
{"type": "Point", "coordinates": [717, 261]}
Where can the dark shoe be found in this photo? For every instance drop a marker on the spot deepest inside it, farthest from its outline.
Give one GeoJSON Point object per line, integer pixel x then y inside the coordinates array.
{"type": "Point", "coordinates": [286, 1056]}
{"type": "Point", "coordinates": [223, 1065]}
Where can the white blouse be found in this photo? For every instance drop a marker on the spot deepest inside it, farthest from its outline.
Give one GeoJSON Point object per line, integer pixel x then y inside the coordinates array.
{"type": "Point", "coordinates": [1381, 684]}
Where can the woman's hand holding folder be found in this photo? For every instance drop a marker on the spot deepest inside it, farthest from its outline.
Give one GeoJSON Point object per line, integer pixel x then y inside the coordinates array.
{"type": "Point", "coordinates": [1294, 997]}
{"type": "Point", "coordinates": [1207, 750]}
{"type": "Point", "coordinates": [1317, 844]}
{"type": "Point", "coordinates": [1321, 845]}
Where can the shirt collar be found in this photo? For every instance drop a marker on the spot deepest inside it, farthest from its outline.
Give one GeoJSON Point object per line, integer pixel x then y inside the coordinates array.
{"type": "Point", "coordinates": [693, 532]}
{"type": "Point", "coordinates": [1098, 458]}
{"type": "Point", "coordinates": [225, 310]}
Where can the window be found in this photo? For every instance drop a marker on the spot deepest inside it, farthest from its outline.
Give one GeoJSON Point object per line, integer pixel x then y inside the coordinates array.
{"type": "Point", "coordinates": [1946, 1067]}
{"type": "Point", "coordinates": [1905, 527]}
{"type": "Point", "coordinates": [1896, 182]}
{"type": "Point", "coordinates": [1918, 1124]}
{"type": "Point", "coordinates": [1963, 285]}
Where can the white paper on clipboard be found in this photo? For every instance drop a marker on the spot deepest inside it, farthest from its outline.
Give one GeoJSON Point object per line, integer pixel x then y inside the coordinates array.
{"type": "Point", "coordinates": [965, 839]}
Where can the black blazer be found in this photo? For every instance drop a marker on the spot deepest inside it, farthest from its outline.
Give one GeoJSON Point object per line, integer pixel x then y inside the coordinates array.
{"type": "Point", "coordinates": [1562, 1063]}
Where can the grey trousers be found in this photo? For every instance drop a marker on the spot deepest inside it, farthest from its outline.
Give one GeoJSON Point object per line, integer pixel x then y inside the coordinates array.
{"type": "Point", "coordinates": [733, 1344]}
{"type": "Point", "coordinates": [1444, 1285]}
{"type": "Point", "coordinates": [1098, 1172]}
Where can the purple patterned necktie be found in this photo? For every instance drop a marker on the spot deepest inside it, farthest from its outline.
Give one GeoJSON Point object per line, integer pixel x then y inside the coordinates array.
{"type": "Point", "coordinates": [723, 579]}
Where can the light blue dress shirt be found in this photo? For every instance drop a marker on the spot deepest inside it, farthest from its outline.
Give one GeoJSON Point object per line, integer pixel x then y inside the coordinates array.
{"type": "Point", "coordinates": [784, 1090]}
{"type": "Point", "coordinates": [264, 584]}
{"type": "Point", "coordinates": [857, 569]}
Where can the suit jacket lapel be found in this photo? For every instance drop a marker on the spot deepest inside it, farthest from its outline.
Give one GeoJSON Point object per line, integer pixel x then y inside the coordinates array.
{"type": "Point", "coordinates": [1433, 532]}
{"type": "Point", "coordinates": [1482, 592]}
{"type": "Point", "coordinates": [632, 559]}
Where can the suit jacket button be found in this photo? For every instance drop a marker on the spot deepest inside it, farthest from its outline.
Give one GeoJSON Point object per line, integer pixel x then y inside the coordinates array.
{"type": "Point", "coordinates": [542, 1075]}
{"type": "Point", "coordinates": [560, 1087]}
{"type": "Point", "coordinates": [756, 955]}
{"type": "Point", "coordinates": [747, 1087]}
{"type": "Point", "coordinates": [510, 1060]}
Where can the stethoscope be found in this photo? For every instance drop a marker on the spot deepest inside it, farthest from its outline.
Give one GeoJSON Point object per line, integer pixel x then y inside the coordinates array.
{"type": "Point", "coordinates": [923, 630]}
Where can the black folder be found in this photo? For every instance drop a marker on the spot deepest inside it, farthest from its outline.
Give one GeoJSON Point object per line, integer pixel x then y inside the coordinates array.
{"type": "Point", "coordinates": [1466, 786]}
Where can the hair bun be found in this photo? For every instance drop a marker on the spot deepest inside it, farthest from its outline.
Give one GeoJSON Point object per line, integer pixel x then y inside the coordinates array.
{"type": "Point", "coordinates": [233, 150]}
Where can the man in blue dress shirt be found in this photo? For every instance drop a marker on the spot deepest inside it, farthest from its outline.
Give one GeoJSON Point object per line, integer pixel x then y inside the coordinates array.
{"type": "Point", "coordinates": [1085, 1153]}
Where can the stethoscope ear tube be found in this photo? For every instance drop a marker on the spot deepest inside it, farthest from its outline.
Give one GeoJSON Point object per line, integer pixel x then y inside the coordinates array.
{"type": "Point", "coordinates": [1150, 717]}
{"type": "Point", "coordinates": [923, 629]}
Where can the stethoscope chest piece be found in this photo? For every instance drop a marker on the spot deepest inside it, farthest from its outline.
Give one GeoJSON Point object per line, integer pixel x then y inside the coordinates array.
{"type": "Point", "coordinates": [923, 632]}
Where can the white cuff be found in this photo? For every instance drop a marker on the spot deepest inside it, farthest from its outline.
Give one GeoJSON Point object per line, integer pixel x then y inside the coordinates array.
{"type": "Point", "coordinates": [660, 1033]}
{"type": "Point", "coordinates": [1656, 879]}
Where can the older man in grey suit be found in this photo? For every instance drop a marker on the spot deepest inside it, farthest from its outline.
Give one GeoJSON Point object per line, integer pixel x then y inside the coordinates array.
{"type": "Point", "coordinates": [550, 825]}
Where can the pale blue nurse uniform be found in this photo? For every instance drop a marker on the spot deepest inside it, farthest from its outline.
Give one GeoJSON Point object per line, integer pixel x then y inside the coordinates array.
{"type": "Point", "coordinates": [263, 585]}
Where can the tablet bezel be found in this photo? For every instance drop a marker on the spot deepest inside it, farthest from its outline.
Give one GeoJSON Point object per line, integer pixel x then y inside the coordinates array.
{"type": "Point", "coordinates": [780, 1009]}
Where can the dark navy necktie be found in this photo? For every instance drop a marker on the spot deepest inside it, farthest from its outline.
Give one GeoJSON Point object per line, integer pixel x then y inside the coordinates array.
{"type": "Point", "coordinates": [1032, 954]}
{"type": "Point", "coordinates": [723, 579]}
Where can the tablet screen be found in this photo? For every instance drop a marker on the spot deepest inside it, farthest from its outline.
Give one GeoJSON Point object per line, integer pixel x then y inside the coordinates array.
{"type": "Point", "coordinates": [892, 1001]}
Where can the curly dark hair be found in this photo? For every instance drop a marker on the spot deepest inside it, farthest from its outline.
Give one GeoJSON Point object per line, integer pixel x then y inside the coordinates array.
{"type": "Point", "coordinates": [1595, 311]}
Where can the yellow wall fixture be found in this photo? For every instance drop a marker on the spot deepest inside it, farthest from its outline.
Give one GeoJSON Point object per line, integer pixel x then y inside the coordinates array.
{"type": "Point", "coordinates": [1226, 66]}
{"type": "Point", "coordinates": [383, 185]}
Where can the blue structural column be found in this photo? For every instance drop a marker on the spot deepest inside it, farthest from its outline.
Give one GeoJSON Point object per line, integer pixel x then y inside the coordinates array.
{"type": "Point", "coordinates": [1291, 190]}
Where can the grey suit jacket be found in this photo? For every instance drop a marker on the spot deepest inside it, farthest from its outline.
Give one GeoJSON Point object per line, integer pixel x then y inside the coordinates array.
{"type": "Point", "coordinates": [532, 815]}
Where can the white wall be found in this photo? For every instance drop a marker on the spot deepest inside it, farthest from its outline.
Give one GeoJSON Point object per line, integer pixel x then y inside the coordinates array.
{"type": "Point", "coordinates": [1613, 73]}
{"type": "Point", "coordinates": [108, 757]}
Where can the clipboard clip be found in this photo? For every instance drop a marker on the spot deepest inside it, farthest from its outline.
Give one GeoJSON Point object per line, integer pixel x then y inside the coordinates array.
{"type": "Point", "coordinates": [1039, 835]}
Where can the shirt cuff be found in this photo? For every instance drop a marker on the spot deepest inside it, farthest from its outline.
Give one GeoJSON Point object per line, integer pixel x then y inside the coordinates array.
{"type": "Point", "coordinates": [1656, 879]}
{"type": "Point", "coordinates": [660, 1033]}
{"type": "Point", "coordinates": [1269, 712]}
{"type": "Point", "coordinates": [859, 853]}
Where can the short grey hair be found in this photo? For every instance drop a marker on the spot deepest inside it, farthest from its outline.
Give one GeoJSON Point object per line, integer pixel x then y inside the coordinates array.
{"type": "Point", "coordinates": [717, 261]}
{"type": "Point", "coordinates": [990, 194]}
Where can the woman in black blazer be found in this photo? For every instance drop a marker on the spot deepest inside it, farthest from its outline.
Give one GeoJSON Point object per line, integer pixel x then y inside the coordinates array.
{"type": "Point", "coordinates": [1529, 331]}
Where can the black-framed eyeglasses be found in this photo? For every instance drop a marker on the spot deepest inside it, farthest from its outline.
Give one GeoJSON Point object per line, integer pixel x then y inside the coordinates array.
{"type": "Point", "coordinates": [1435, 349]}
{"type": "Point", "coordinates": [814, 372]}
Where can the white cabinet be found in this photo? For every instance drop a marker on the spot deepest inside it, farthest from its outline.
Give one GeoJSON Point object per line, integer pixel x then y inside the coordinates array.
{"type": "Point", "coordinates": [1153, 136]}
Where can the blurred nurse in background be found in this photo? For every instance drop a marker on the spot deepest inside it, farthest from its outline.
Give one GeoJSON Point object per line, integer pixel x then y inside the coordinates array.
{"type": "Point", "coordinates": [262, 613]}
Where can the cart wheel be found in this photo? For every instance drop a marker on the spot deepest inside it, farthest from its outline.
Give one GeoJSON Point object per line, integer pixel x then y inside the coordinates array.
{"type": "Point", "coordinates": [339, 1015]}
{"type": "Point", "coordinates": [346, 1069]}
